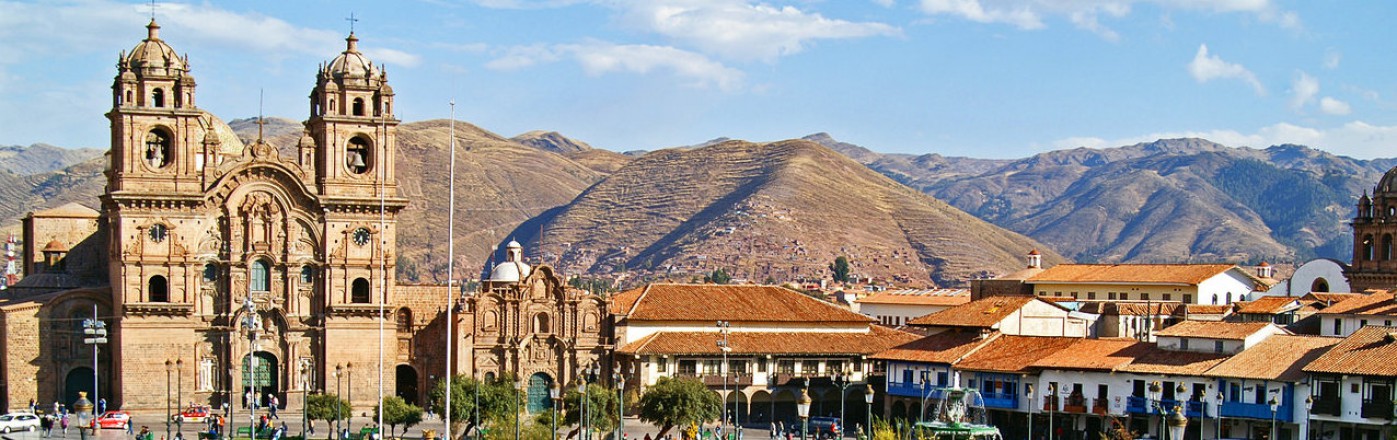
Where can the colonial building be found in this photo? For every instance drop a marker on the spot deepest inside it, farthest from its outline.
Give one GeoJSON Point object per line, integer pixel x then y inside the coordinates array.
{"type": "Point", "coordinates": [527, 324]}
{"type": "Point", "coordinates": [1374, 260]}
{"type": "Point", "coordinates": [226, 266]}
{"type": "Point", "coordinates": [896, 307]}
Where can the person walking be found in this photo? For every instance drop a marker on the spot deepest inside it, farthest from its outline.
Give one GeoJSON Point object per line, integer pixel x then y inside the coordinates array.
{"type": "Point", "coordinates": [272, 403]}
{"type": "Point", "coordinates": [64, 423]}
{"type": "Point", "coordinates": [130, 430]}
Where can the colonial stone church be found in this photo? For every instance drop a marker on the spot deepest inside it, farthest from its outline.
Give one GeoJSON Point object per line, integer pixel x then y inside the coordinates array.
{"type": "Point", "coordinates": [1374, 253]}
{"type": "Point", "coordinates": [230, 268]}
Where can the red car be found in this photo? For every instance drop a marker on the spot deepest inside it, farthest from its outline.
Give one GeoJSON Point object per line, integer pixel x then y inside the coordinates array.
{"type": "Point", "coordinates": [195, 414]}
{"type": "Point", "coordinates": [114, 420]}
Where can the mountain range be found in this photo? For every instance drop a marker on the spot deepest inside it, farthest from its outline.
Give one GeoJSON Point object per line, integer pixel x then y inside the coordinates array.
{"type": "Point", "coordinates": [783, 210]}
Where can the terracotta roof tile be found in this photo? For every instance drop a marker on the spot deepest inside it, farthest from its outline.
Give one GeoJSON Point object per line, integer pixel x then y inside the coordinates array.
{"type": "Point", "coordinates": [1213, 330]}
{"type": "Point", "coordinates": [1133, 308]}
{"type": "Point", "coordinates": [924, 297]}
{"type": "Point", "coordinates": [1279, 357]}
{"type": "Point", "coordinates": [1094, 354]}
{"type": "Point", "coordinates": [982, 313]}
{"type": "Point", "coordinates": [943, 348]}
{"type": "Point", "coordinates": [705, 343]}
{"type": "Point", "coordinates": [1150, 359]}
{"type": "Point", "coordinates": [1269, 305]}
{"type": "Point", "coordinates": [1369, 351]}
{"type": "Point", "coordinates": [1209, 309]}
{"type": "Point", "coordinates": [1329, 298]}
{"type": "Point", "coordinates": [728, 302]}
{"type": "Point", "coordinates": [1376, 303]}
{"type": "Point", "coordinates": [1189, 274]}
{"type": "Point", "coordinates": [1013, 354]}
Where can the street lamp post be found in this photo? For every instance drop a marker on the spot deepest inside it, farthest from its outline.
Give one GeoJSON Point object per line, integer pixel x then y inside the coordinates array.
{"type": "Point", "coordinates": [723, 330]}
{"type": "Point", "coordinates": [305, 385]}
{"type": "Point", "coordinates": [169, 368]}
{"type": "Point", "coordinates": [1274, 406]}
{"type": "Point", "coordinates": [1218, 402]}
{"type": "Point", "coordinates": [339, 388]}
{"type": "Point", "coordinates": [620, 402]}
{"type": "Point", "coordinates": [83, 408]}
{"type": "Point", "coordinates": [1309, 406]}
{"type": "Point", "coordinates": [555, 395]}
{"type": "Point", "coordinates": [1028, 392]}
{"type": "Point", "coordinates": [1154, 393]}
{"type": "Point", "coordinates": [582, 400]}
{"type": "Point", "coordinates": [94, 334]}
{"type": "Point", "coordinates": [842, 380]}
{"type": "Point", "coordinates": [1052, 394]}
{"type": "Point", "coordinates": [179, 392]}
{"type": "Point", "coordinates": [251, 325]}
{"type": "Point", "coordinates": [1178, 423]}
{"type": "Point", "coordinates": [868, 400]}
{"type": "Point", "coordinates": [803, 409]}
{"type": "Point", "coordinates": [349, 394]}
{"type": "Point", "coordinates": [518, 386]}
{"type": "Point", "coordinates": [232, 422]}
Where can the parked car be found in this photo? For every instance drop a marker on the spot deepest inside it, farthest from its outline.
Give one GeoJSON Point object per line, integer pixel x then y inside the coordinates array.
{"type": "Point", "coordinates": [19, 422]}
{"type": "Point", "coordinates": [114, 420]}
{"type": "Point", "coordinates": [194, 414]}
{"type": "Point", "coordinates": [819, 427]}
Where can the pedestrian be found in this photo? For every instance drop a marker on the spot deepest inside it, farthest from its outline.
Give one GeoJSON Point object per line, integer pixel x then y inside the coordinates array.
{"type": "Point", "coordinates": [46, 424]}
{"type": "Point", "coordinates": [102, 406]}
{"type": "Point", "coordinates": [145, 434]}
{"type": "Point", "coordinates": [129, 428]}
{"type": "Point", "coordinates": [773, 431]}
{"type": "Point", "coordinates": [64, 423]}
{"type": "Point", "coordinates": [272, 403]}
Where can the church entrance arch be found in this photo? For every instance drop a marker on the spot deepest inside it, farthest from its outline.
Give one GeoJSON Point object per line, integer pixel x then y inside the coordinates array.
{"type": "Point", "coordinates": [407, 383]}
{"type": "Point", "coordinates": [79, 379]}
{"type": "Point", "coordinates": [260, 379]}
{"type": "Point", "coordinates": [538, 393]}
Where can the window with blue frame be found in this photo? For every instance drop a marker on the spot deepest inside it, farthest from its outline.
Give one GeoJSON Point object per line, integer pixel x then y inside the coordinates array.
{"type": "Point", "coordinates": [941, 378]}
{"type": "Point", "coordinates": [907, 376]}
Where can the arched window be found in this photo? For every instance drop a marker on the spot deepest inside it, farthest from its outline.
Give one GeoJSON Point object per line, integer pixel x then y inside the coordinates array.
{"type": "Point", "coordinates": [404, 320]}
{"type": "Point", "coordinates": [157, 98]}
{"type": "Point", "coordinates": [307, 274]}
{"type": "Point", "coordinates": [491, 321]}
{"type": "Point", "coordinates": [541, 323]}
{"type": "Point", "coordinates": [1367, 248]}
{"type": "Point", "coordinates": [128, 98]}
{"type": "Point", "coordinates": [1215, 299]}
{"type": "Point", "coordinates": [1319, 285]}
{"type": "Point", "coordinates": [157, 152]}
{"type": "Point", "coordinates": [210, 273]}
{"type": "Point", "coordinates": [359, 292]}
{"type": "Point", "coordinates": [1386, 247]}
{"type": "Point", "coordinates": [158, 289]}
{"type": "Point", "coordinates": [260, 278]}
{"type": "Point", "coordinates": [358, 106]}
{"type": "Point", "coordinates": [357, 157]}
{"type": "Point", "coordinates": [1229, 298]}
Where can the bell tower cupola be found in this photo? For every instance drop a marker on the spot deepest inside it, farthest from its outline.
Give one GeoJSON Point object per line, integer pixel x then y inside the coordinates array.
{"type": "Point", "coordinates": [156, 132]}
{"type": "Point", "coordinates": [352, 124]}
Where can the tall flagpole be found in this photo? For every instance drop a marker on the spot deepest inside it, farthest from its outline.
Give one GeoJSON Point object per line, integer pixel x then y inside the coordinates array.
{"type": "Point", "coordinates": [450, 267]}
{"type": "Point", "coordinates": [382, 255]}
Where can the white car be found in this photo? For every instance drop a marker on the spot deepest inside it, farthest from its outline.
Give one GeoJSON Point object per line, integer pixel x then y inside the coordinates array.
{"type": "Point", "coordinates": [19, 422]}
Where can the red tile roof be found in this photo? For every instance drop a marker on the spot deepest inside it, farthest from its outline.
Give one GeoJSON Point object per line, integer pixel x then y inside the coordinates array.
{"type": "Point", "coordinates": [981, 313]}
{"type": "Point", "coordinates": [1376, 303]}
{"type": "Point", "coordinates": [942, 348]}
{"type": "Point", "coordinates": [1213, 329]}
{"type": "Point", "coordinates": [1187, 274]}
{"type": "Point", "coordinates": [1094, 354]}
{"type": "Point", "coordinates": [1270, 305]}
{"type": "Point", "coordinates": [1279, 357]}
{"type": "Point", "coordinates": [1150, 359]}
{"type": "Point", "coordinates": [1370, 351]}
{"type": "Point", "coordinates": [786, 343]}
{"type": "Point", "coordinates": [923, 297]}
{"type": "Point", "coordinates": [1329, 298]}
{"type": "Point", "coordinates": [1133, 308]}
{"type": "Point", "coordinates": [727, 302]}
{"type": "Point", "coordinates": [1013, 354]}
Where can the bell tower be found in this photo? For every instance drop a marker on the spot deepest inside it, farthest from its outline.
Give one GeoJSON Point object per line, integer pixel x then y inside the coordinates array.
{"type": "Point", "coordinates": [1374, 244]}
{"type": "Point", "coordinates": [156, 134]}
{"type": "Point", "coordinates": [352, 125]}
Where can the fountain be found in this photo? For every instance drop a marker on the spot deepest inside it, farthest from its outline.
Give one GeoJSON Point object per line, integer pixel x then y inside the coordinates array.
{"type": "Point", "coordinates": [959, 415]}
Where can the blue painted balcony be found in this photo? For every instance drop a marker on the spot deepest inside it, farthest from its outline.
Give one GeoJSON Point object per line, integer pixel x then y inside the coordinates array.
{"type": "Point", "coordinates": [1259, 411]}
{"type": "Point", "coordinates": [908, 389]}
{"type": "Point", "coordinates": [1001, 400]}
{"type": "Point", "coordinates": [1141, 405]}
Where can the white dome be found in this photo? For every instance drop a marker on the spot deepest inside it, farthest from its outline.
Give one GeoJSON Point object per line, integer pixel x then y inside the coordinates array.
{"type": "Point", "coordinates": [509, 272]}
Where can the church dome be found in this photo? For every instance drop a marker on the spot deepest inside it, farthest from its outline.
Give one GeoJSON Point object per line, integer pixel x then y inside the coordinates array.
{"type": "Point", "coordinates": [55, 246]}
{"type": "Point", "coordinates": [215, 129]}
{"type": "Point", "coordinates": [509, 272]}
{"type": "Point", "coordinates": [153, 54]}
{"type": "Point", "coordinates": [351, 63]}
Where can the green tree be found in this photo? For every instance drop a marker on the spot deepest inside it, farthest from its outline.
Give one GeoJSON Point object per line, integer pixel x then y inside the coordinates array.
{"type": "Point", "coordinates": [601, 410]}
{"type": "Point", "coordinates": [322, 407]}
{"type": "Point", "coordinates": [397, 411]}
{"type": "Point", "coordinates": [840, 269]}
{"type": "Point", "coordinates": [494, 397]}
{"type": "Point", "coordinates": [718, 276]}
{"type": "Point", "coordinates": [678, 402]}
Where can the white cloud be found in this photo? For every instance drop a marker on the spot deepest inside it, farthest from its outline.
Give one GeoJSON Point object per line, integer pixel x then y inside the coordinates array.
{"type": "Point", "coordinates": [1032, 14]}
{"type": "Point", "coordinates": [1331, 59]}
{"type": "Point", "coordinates": [1205, 67]}
{"type": "Point", "coordinates": [1303, 90]}
{"type": "Point", "coordinates": [741, 30]}
{"type": "Point", "coordinates": [1356, 138]}
{"type": "Point", "coordinates": [885, 3]}
{"type": "Point", "coordinates": [599, 58]}
{"type": "Point", "coordinates": [1334, 107]}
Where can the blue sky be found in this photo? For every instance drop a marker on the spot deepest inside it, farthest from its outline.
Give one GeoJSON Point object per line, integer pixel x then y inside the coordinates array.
{"type": "Point", "coordinates": [979, 78]}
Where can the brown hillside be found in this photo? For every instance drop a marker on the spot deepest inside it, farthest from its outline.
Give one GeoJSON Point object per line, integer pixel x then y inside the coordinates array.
{"type": "Point", "coordinates": [780, 210]}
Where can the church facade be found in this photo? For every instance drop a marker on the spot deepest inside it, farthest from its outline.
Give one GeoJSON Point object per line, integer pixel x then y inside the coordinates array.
{"type": "Point", "coordinates": [1374, 227]}
{"type": "Point", "coordinates": [227, 267]}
